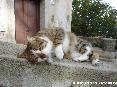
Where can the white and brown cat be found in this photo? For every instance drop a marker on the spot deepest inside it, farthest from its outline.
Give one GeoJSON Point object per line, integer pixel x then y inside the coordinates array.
{"type": "Point", "coordinates": [64, 44]}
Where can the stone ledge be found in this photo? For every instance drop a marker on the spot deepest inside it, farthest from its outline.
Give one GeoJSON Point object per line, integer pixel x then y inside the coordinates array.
{"type": "Point", "coordinates": [106, 65]}
{"type": "Point", "coordinates": [17, 72]}
{"type": "Point", "coordinates": [106, 54]}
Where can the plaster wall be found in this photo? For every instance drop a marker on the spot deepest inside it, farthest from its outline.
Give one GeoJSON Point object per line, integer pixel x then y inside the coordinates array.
{"type": "Point", "coordinates": [58, 13]}
{"type": "Point", "coordinates": [7, 21]}
{"type": "Point", "coordinates": [42, 14]}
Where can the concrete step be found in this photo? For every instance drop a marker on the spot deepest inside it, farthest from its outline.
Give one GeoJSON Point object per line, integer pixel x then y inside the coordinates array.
{"type": "Point", "coordinates": [106, 54]}
{"type": "Point", "coordinates": [17, 72]}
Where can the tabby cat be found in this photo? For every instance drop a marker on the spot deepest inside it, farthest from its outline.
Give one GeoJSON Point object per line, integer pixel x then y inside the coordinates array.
{"type": "Point", "coordinates": [64, 44]}
{"type": "Point", "coordinates": [43, 43]}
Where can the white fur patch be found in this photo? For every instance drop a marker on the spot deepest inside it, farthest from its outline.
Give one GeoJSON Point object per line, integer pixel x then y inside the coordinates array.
{"type": "Point", "coordinates": [75, 55]}
{"type": "Point", "coordinates": [66, 43]}
{"type": "Point", "coordinates": [59, 52]}
{"type": "Point", "coordinates": [88, 49]}
{"type": "Point", "coordinates": [84, 56]}
{"type": "Point", "coordinates": [47, 50]}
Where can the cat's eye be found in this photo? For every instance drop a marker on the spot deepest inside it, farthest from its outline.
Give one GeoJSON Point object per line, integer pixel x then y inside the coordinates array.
{"type": "Point", "coordinates": [35, 49]}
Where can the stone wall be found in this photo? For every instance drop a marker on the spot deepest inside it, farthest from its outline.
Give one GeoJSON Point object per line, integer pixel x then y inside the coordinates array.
{"type": "Point", "coordinates": [7, 20]}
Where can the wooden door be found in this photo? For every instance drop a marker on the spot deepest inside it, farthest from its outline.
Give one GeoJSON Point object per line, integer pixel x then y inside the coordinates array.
{"type": "Point", "coordinates": [27, 19]}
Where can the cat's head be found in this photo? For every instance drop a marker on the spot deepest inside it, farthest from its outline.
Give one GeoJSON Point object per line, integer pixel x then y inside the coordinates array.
{"type": "Point", "coordinates": [37, 45]}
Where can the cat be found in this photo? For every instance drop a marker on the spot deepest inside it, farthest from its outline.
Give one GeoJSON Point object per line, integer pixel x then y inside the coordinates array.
{"type": "Point", "coordinates": [43, 43]}
{"type": "Point", "coordinates": [64, 44]}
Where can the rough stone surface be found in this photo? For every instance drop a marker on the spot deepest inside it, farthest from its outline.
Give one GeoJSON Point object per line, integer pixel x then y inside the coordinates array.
{"type": "Point", "coordinates": [16, 72]}
{"type": "Point", "coordinates": [106, 54]}
{"type": "Point", "coordinates": [7, 48]}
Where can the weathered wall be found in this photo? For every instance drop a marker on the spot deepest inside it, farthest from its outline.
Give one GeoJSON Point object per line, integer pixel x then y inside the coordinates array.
{"type": "Point", "coordinates": [53, 13]}
{"type": "Point", "coordinates": [7, 20]}
{"type": "Point", "coordinates": [42, 14]}
{"type": "Point", "coordinates": [58, 13]}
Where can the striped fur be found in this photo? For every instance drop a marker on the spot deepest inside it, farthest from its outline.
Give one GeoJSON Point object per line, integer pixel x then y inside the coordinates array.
{"type": "Point", "coordinates": [56, 35]}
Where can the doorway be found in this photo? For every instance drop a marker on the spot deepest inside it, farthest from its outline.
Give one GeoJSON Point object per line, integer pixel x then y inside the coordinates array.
{"type": "Point", "coordinates": [27, 19]}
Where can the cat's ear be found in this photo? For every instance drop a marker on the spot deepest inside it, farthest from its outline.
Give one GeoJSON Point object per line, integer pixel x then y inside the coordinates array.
{"type": "Point", "coordinates": [30, 39]}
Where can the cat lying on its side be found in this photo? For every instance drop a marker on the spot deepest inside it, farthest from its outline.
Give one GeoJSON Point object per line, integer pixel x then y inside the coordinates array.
{"type": "Point", "coordinates": [65, 45]}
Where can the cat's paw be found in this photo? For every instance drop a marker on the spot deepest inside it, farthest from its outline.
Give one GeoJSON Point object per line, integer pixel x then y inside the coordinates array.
{"type": "Point", "coordinates": [59, 52]}
{"type": "Point", "coordinates": [75, 59]}
{"type": "Point", "coordinates": [60, 55]}
{"type": "Point", "coordinates": [83, 58]}
{"type": "Point", "coordinates": [96, 62]}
